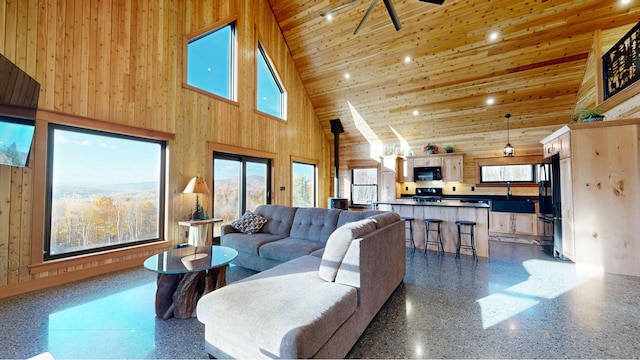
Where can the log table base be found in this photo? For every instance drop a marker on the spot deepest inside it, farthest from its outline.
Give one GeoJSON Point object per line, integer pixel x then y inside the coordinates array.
{"type": "Point", "coordinates": [178, 294]}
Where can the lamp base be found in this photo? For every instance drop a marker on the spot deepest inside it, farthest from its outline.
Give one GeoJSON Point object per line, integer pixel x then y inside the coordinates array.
{"type": "Point", "coordinates": [198, 215]}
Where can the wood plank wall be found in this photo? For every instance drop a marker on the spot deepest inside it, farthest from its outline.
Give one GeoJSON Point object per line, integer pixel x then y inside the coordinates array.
{"type": "Point", "coordinates": [121, 61]}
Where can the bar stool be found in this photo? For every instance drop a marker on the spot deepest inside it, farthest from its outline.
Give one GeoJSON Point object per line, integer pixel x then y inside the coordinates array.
{"type": "Point", "coordinates": [410, 220]}
{"type": "Point", "coordinates": [428, 229]}
{"type": "Point", "coordinates": [471, 225]}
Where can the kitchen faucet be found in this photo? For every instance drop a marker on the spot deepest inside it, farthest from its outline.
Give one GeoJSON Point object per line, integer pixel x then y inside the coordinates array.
{"type": "Point", "coordinates": [508, 190]}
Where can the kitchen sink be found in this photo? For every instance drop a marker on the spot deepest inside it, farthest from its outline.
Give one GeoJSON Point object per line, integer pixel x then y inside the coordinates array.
{"type": "Point", "coordinates": [515, 206]}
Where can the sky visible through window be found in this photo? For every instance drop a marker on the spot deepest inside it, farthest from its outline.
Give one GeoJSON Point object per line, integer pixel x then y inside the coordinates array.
{"type": "Point", "coordinates": [89, 159]}
{"type": "Point", "coordinates": [269, 93]}
{"type": "Point", "coordinates": [208, 63]}
{"type": "Point", "coordinates": [20, 134]}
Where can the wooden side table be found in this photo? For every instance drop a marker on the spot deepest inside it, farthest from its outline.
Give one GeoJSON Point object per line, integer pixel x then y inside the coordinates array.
{"type": "Point", "coordinates": [198, 230]}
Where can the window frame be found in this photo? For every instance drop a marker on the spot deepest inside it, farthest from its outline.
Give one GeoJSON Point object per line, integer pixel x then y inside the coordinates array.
{"type": "Point", "coordinates": [532, 160]}
{"type": "Point", "coordinates": [233, 61]}
{"type": "Point", "coordinates": [313, 163]}
{"type": "Point", "coordinates": [375, 185]}
{"type": "Point", "coordinates": [262, 52]}
{"type": "Point", "coordinates": [49, 200]}
{"type": "Point", "coordinates": [38, 265]}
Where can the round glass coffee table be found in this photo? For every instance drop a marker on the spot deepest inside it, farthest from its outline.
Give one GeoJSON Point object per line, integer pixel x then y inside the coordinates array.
{"type": "Point", "coordinates": [185, 275]}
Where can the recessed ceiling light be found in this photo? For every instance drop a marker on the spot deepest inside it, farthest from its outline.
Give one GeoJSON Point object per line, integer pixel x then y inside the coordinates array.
{"type": "Point", "coordinates": [346, 76]}
{"type": "Point", "coordinates": [415, 112]}
{"type": "Point", "coordinates": [329, 17]}
{"type": "Point", "coordinates": [493, 36]}
{"type": "Point", "coordinates": [407, 59]}
{"type": "Point", "coordinates": [490, 101]}
{"type": "Point", "coordinates": [625, 2]}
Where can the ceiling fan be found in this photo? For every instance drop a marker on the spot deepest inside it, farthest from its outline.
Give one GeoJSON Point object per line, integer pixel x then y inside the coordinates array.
{"type": "Point", "coordinates": [387, 3]}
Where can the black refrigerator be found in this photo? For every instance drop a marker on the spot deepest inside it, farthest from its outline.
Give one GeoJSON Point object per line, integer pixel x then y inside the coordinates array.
{"type": "Point", "coordinates": [549, 201]}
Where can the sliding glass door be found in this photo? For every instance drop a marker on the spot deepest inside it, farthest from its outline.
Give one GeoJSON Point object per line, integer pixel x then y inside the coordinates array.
{"type": "Point", "coordinates": [240, 183]}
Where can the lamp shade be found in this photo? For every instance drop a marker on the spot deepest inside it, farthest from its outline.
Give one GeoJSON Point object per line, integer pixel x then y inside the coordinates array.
{"type": "Point", "coordinates": [196, 186]}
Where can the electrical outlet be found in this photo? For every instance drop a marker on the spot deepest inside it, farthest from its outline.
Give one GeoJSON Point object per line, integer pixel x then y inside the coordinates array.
{"type": "Point", "coordinates": [406, 188]}
{"type": "Point", "coordinates": [473, 188]}
{"type": "Point", "coordinates": [454, 188]}
{"type": "Point", "coordinates": [282, 188]}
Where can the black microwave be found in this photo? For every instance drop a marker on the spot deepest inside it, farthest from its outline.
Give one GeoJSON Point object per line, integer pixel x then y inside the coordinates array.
{"type": "Point", "coordinates": [427, 173]}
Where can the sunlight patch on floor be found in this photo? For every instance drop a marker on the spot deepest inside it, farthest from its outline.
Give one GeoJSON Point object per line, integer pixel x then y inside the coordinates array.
{"type": "Point", "coordinates": [121, 325]}
{"type": "Point", "coordinates": [547, 280]}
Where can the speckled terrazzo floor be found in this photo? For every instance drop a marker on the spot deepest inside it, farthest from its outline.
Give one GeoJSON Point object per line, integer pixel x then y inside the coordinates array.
{"type": "Point", "coordinates": [520, 303]}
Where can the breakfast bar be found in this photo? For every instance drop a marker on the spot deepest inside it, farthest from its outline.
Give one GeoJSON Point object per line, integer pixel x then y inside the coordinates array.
{"type": "Point", "coordinates": [449, 211]}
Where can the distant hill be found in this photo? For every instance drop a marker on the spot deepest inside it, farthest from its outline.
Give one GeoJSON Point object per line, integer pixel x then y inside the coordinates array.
{"type": "Point", "coordinates": [127, 190]}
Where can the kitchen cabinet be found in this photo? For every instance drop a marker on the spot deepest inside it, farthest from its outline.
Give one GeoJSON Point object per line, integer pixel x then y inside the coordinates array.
{"type": "Point", "coordinates": [427, 161]}
{"type": "Point", "coordinates": [514, 223]}
{"type": "Point", "coordinates": [600, 188]}
{"type": "Point", "coordinates": [559, 145]}
{"type": "Point", "coordinates": [405, 169]}
{"type": "Point", "coordinates": [452, 168]}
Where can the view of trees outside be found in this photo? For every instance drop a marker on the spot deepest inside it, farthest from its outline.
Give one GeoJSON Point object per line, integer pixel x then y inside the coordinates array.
{"type": "Point", "coordinates": [501, 173]}
{"type": "Point", "coordinates": [227, 182]}
{"type": "Point", "coordinates": [105, 191]}
{"type": "Point", "coordinates": [303, 190]}
{"type": "Point", "coordinates": [364, 189]}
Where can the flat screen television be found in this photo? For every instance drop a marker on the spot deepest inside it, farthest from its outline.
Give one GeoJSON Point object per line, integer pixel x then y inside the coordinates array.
{"type": "Point", "coordinates": [16, 138]}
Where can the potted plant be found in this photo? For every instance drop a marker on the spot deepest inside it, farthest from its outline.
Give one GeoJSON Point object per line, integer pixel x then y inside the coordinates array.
{"type": "Point", "coordinates": [449, 148]}
{"type": "Point", "coordinates": [430, 149]}
{"type": "Point", "coordinates": [587, 115]}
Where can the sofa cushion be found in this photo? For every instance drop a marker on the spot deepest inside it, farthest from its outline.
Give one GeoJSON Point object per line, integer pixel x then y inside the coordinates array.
{"type": "Point", "coordinates": [249, 223]}
{"type": "Point", "coordinates": [384, 219]}
{"type": "Point", "coordinates": [279, 218]}
{"type": "Point", "coordinates": [248, 243]}
{"type": "Point", "coordinates": [288, 248]}
{"type": "Point", "coordinates": [284, 323]}
{"type": "Point", "coordinates": [338, 244]}
{"type": "Point", "coordinates": [314, 224]}
{"type": "Point", "coordinates": [347, 216]}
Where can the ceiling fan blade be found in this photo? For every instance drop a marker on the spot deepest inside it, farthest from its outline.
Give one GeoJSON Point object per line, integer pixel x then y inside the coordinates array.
{"type": "Point", "coordinates": [366, 16]}
{"type": "Point", "coordinates": [338, 8]}
{"type": "Point", "coordinates": [437, 2]}
{"type": "Point", "coordinates": [392, 12]}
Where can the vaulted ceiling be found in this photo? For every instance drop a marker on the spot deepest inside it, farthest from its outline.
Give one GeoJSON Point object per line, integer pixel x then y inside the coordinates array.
{"type": "Point", "coordinates": [533, 70]}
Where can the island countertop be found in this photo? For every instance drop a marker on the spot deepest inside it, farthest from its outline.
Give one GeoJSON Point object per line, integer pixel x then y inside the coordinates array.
{"type": "Point", "coordinates": [449, 211]}
{"type": "Point", "coordinates": [444, 202]}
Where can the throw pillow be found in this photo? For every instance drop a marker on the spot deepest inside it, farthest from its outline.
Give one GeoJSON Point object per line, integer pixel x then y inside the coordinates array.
{"type": "Point", "coordinates": [338, 244]}
{"type": "Point", "coordinates": [249, 223]}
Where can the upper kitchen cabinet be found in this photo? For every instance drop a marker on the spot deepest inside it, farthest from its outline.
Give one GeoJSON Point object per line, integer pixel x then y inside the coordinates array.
{"type": "Point", "coordinates": [428, 161]}
{"type": "Point", "coordinates": [561, 144]}
{"type": "Point", "coordinates": [452, 168]}
{"type": "Point", "coordinates": [405, 169]}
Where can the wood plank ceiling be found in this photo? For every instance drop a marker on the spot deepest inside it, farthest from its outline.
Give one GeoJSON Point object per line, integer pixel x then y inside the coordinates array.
{"type": "Point", "coordinates": [533, 70]}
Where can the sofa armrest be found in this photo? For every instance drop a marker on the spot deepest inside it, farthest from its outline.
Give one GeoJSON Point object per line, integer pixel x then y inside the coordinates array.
{"type": "Point", "coordinates": [228, 229]}
{"type": "Point", "coordinates": [376, 265]}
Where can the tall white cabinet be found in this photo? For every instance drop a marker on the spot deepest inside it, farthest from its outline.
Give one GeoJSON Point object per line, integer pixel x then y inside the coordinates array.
{"type": "Point", "coordinates": [600, 185]}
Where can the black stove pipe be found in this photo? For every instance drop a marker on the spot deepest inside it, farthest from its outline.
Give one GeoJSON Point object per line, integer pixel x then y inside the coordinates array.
{"type": "Point", "coordinates": [336, 129]}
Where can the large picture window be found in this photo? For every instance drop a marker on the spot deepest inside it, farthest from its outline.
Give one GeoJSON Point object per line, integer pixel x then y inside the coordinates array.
{"type": "Point", "coordinates": [105, 191]}
{"type": "Point", "coordinates": [211, 62]}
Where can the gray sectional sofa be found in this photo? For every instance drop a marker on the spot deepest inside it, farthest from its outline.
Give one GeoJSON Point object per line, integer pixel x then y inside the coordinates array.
{"type": "Point", "coordinates": [325, 275]}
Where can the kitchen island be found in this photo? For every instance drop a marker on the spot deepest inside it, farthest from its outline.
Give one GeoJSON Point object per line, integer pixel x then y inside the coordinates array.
{"type": "Point", "coordinates": [449, 211]}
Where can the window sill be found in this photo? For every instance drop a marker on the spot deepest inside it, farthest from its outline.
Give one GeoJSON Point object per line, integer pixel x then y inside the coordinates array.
{"type": "Point", "coordinates": [95, 257]}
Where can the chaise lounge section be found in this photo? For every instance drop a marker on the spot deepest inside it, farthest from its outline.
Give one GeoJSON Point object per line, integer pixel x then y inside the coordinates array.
{"type": "Point", "coordinates": [311, 306]}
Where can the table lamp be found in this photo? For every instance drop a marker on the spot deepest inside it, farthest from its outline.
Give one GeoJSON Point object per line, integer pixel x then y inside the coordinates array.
{"type": "Point", "coordinates": [197, 186]}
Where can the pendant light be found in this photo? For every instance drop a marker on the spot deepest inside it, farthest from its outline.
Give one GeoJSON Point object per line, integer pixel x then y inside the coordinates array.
{"type": "Point", "coordinates": [508, 149]}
